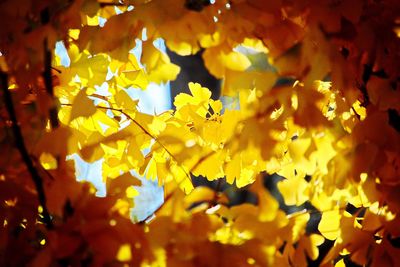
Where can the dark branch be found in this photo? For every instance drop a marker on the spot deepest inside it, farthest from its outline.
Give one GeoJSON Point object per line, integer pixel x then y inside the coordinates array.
{"type": "Point", "coordinates": [104, 4]}
{"type": "Point", "coordinates": [48, 81]}
{"type": "Point", "coordinates": [20, 144]}
{"type": "Point", "coordinates": [394, 119]}
{"type": "Point", "coordinates": [366, 75]}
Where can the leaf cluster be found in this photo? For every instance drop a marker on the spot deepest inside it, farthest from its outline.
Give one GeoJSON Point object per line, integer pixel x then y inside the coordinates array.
{"type": "Point", "coordinates": [311, 93]}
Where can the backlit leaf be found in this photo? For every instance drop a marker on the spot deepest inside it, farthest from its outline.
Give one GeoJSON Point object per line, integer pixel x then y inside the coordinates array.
{"type": "Point", "coordinates": [82, 106]}
{"type": "Point", "coordinates": [329, 226]}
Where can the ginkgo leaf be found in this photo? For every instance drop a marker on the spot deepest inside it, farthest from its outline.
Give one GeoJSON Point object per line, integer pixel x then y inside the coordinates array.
{"type": "Point", "coordinates": [123, 100]}
{"type": "Point", "coordinates": [200, 194]}
{"type": "Point", "coordinates": [92, 153]}
{"type": "Point", "coordinates": [239, 80]}
{"type": "Point", "coordinates": [199, 98]}
{"type": "Point", "coordinates": [82, 106]}
{"type": "Point", "coordinates": [164, 73]}
{"type": "Point", "coordinates": [310, 91]}
{"type": "Point", "coordinates": [118, 30]}
{"type": "Point", "coordinates": [184, 183]}
{"type": "Point", "coordinates": [91, 70]}
{"type": "Point", "coordinates": [308, 245]}
{"type": "Point", "coordinates": [340, 263]}
{"type": "Point", "coordinates": [211, 166]}
{"type": "Point", "coordinates": [312, 247]}
{"type": "Point", "coordinates": [217, 60]}
{"type": "Point", "coordinates": [95, 149]}
{"type": "Point", "coordinates": [157, 64]}
{"type": "Point", "coordinates": [233, 169]}
{"type": "Point", "coordinates": [329, 226]}
{"type": "Point", "coordinates": [216, 105]}
{"type": "Point", "coordinates": [298, 147]}
{"type": "Point", "coordinates": [298, 222]}
{"type": "Point", "coordinates": [117, 186]}
{"type": "Point", "coordinates": [294, 190]}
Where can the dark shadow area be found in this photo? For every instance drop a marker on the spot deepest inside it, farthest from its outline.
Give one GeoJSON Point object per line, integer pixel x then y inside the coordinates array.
{"type": "Point", "coordinates": [192, 70]}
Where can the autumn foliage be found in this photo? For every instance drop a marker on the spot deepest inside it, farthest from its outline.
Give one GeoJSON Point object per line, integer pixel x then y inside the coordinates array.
{"type": "Point", "coordinates": [311, 92]}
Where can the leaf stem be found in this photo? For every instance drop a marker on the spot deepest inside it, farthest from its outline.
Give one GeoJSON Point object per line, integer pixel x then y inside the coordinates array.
{"type": "Point", "coordinates": [355, 113]}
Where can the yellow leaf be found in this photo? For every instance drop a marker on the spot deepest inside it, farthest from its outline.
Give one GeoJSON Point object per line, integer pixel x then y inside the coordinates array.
{"type": "Point", "coordinates": [118, 186]}
{"type": "Point", "coordinates": [82, 106]}
{"type": "Point", "coordinates": [164, 73]}
{"type": "Point", "coordinates": [93, 150]}
{"type": "Point", "coordinates": [92, 153]}
{"type": "Point", "coordinates": [216, 105]}
{"type": "Point", "coordinates": [200, 194]}
{"type": "Point", "coordinates": [48, 161]}
{"type": "Point", "coordinates": [329, 226]}
{"type": "Point", "coordinates": [131, 192]}
{"type": "Point", "coordinates": [299, 220]}
{"type": "Point", "coordinates": [269, 206]}
{"type": "Point", "coordinates": [298, 147]}
{"type": "Point", "coordinates": [199, 98]}
{"type": "Point", "coordinates": [294, 190]}
{"type": "Point", "coordinates": [158, 65]}
{"type": "Point", "coordinates": [92, 70]}
{"type": "Point", "coordinates": [219, 61]}
{"type": "Point", "coordinates": [236, 61]}
{"type": "Point", "coordinates": [312, 247]}
{"type": "Point", "coordinates": [211, 166]}
{"type": "Point", "coordinates": [239, 80]}
{"type": "Point", "coordinates": [340, 263]}
{"type": "Point", "coordinates": [124, 253]}
{"type": "Point", "coordinates": [123, 100]}
{"type": "Point", "coordinates": [233, 168]}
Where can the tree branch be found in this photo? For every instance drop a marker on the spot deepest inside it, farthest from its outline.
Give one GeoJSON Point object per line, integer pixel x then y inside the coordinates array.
{"type": "Point", "coordinates": [48, 81]}
{"type": "Point", "coordinates": [19, 142]}
{"type": "Point", "coordinates": [104, 4]}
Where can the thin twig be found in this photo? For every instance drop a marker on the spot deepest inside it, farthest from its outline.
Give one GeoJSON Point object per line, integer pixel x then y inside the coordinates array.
{"type": "Point", "coordinates": [57, 70]}
{"type": "Point", "coordinates": [355, 113]}
{"type": "Point", "coordinates": [20, 144]}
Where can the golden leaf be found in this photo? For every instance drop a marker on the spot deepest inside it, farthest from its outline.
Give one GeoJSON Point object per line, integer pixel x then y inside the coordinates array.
{"type": "Point", "coordinates": [82, 106]}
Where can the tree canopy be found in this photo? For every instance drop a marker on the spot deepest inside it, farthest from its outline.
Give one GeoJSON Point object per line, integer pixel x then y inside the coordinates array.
{"type": "Point", "coordinates": [311, 92]}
